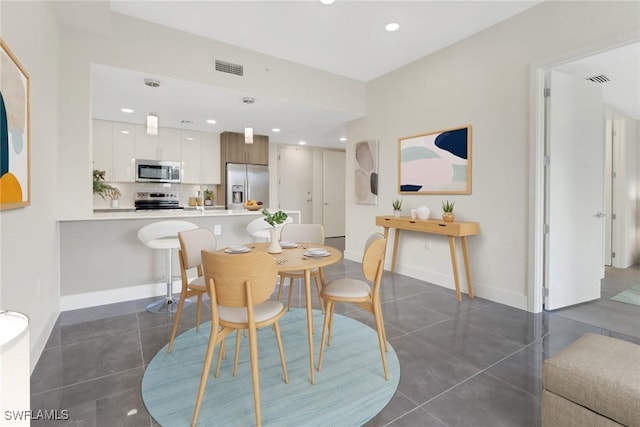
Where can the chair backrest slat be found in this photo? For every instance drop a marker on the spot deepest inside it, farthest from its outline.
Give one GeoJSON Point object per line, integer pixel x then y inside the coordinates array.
{"type": "Point", "coordinates": [193, 242]}
{"type": "Point", "coordinates": [230, 274]}
{"type": "Point", "coordinates": [373, 254]}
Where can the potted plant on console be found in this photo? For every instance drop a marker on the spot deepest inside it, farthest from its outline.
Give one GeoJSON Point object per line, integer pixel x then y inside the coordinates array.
{"type": "Point", "coordinates": [103, 189]}
{"type": "Point", "coordinates": [397, 207]}
{"type": "Point", "coordinates": [274, 219]}
{"type": "Point", "coordinates": [447, 211]}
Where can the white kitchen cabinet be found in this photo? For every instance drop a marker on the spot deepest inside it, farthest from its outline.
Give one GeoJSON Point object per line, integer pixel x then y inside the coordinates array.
{"type": "Point", "coordinates": [102, 133]}
{"type": "Point", "coordinates": [164, 146]}
{"type": "Point", "coordinates": [210, 158]}
{"type": "Point", "coordinates": [124, 139]}
{"type": "Point", "coordinates": [191, 151]}
{"type": "Point", "coordinates": [169, 144]}
{"type": "Point", "coordinates": [147, 146]}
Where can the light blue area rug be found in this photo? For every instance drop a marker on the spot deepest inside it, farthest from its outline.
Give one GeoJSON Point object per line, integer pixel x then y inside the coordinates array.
{"type": "Point", "coordinates": [629, 296]}
{"type": "Point", "coordinates": [349, 391]}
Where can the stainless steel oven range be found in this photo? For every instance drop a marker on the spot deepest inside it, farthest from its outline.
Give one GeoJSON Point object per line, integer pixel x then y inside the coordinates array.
{"type": "Point", "coordinates": [156, 201]}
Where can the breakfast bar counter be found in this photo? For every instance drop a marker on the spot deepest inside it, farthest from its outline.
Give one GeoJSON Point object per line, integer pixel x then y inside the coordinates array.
{"type": "Point", "coordinates": [103, 261]}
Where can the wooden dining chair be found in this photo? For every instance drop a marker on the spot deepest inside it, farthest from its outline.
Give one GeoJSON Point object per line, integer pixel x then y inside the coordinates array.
{"type": "Point", "coordinates": [192, 243]}
{"type": "Point", "coordinates": [240, 287]}
{"type": "Point", "coordinates": [307, 233]}
{"type": "Point", "coordinates": [360, 293]}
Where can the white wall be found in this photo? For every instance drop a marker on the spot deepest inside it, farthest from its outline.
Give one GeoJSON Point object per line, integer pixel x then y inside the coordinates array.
{"type": "Point", "coordinates": [484, 81]}
{"type": "Point", "coordinates": [29, 274]}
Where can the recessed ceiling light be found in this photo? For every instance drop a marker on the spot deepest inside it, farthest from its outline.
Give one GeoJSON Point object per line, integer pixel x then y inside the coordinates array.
{"type": "Point", "coordinates": [392, 26]}
{"type": "Point", "coordinates": [211, 122]}
{"type": "Point", "coordinates": [189, 138]}
{"type": "Point", "coordinates": [126, 132]}
{"type": "Point", "coordinates": [126, 110]}
{"type": "Point", "coordinates": [327, 1]}
{"type": "Point", "coordinates": [275, 130]}
{"type": "Point", "coordinates": [302, 143]}
{"type": "Point", "coordinates": [343, 139]}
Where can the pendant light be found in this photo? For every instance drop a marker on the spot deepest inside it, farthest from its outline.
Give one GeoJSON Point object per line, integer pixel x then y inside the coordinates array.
{"type": "Point", "coordinates": [248, 134]}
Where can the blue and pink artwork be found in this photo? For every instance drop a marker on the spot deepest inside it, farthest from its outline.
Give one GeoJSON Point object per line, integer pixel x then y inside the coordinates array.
{"type": "Point", "coordinates": [14, 132]}
{"type": "Point", "coordinates": [436, 163]}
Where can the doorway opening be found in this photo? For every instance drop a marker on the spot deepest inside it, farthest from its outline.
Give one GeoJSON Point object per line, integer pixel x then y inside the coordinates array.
{"type": "Point", "coordinates": [537, 165]}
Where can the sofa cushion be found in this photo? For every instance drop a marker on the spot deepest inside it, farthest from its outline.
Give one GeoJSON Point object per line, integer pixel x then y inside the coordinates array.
{"type": "Point", "coordinates": [599, 373]}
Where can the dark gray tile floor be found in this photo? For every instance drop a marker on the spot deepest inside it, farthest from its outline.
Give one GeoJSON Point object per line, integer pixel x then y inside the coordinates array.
{"type": "Point", "coordinates": [474, 363]}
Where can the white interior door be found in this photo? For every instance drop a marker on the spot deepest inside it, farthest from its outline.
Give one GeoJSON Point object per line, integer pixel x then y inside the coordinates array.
{"type": "Point", "coordinates": [295, 179]}
{"type": "Point", "coordinates": [333, 193]}
{"type": "Point", "coordinates": [574, 247]}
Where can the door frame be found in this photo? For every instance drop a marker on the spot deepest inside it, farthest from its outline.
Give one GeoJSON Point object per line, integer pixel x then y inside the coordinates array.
{"type": "Point", "coordinates": [536, 159]}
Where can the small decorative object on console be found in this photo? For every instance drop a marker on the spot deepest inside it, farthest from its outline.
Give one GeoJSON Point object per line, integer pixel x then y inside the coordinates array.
{"type": "Point", "coordinates": [447, 211]}
{"type": "Point", "coordinates": [397, 207]}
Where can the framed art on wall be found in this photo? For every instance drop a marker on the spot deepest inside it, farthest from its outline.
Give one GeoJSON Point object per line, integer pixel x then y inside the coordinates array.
{"type": "Point", "coordinates": [366, 172]}
{"type": "Point", "coordinates": [15, 180]}
{"type": "Point", "coordinates": [435, 162]}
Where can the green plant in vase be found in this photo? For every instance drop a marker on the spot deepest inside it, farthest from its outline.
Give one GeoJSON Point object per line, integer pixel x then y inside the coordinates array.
{"type": "Point", "coordinates": [397, 207]}
{"type": "Point", "coordinates": [103, 189]}
{"type": "Point", "coordinates": [208, 197]}
{"type": "Point", "coordinates": [274, 219]}
{"type": "Point", "coordinates": [447, 211]}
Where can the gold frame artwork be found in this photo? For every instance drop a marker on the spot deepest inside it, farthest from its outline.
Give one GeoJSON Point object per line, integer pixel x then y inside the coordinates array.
{"type": "Point", "coordinates": [436, 162]}
{"type": "Point", "coordinates": [15, 132]}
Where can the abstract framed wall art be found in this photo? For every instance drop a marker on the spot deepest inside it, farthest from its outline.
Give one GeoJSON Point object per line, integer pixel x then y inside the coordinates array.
{"type": "Point", "coordinates": [15, 179]}
{"type": "Point", "coordinates": [436, 162]}
{"type": "Point", "coordinates": [366, 172]}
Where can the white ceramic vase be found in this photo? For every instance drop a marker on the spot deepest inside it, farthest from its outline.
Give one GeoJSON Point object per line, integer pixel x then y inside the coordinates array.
{"type": "Point", "coordinates": [274, 247]}
{"type": "Point", "coordinates": [423, 212]}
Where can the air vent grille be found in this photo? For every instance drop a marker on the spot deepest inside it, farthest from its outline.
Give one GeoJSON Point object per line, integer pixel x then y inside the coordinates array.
{"type": "Point", "coordinates": [599, 79]}
{"type": "Point", "coordinates": [230, 68]}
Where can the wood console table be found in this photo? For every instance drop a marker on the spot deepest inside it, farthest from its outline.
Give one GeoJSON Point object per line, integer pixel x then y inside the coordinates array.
{"type": "Point", "coordinates": [432, 226]}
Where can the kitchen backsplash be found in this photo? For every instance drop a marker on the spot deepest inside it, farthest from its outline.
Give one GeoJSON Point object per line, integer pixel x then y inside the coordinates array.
{"type": "Point", "coordinates": [129, 190]}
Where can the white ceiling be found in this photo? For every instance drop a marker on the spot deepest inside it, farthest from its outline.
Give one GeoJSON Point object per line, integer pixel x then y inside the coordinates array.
{"type": "Point", "coordinates": [346, 38]}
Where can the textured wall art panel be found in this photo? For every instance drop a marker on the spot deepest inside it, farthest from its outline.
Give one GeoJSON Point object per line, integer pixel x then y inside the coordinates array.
{"type": "Point", "coordinates": [366, 172]}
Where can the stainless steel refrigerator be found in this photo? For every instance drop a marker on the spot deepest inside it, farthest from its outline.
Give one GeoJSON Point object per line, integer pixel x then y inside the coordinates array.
{"type": "Point", "coordinates": [246, 182]}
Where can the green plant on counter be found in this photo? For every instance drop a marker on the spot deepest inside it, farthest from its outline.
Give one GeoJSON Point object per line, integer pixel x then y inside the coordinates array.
{"type": "Point", "coordinates": [103, 189]}
{"type": "Point", "coordinates": [447, 206]}
{"type": "Point", "coordinates": [397, 204]}
{"type": "Point", "coordinates": [277, 217]}
{"type": "Point", "coordinates": [208, 194]}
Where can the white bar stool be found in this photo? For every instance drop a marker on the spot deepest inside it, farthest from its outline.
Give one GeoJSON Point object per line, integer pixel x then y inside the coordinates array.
{"type": "Point", "coordinates": [164, 235]}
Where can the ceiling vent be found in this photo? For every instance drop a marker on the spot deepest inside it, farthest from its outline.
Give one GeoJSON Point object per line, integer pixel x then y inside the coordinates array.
{"type": "Point", "coordinates": [229, 68]}
{"type": "Point", "coordinates": [599, 79]}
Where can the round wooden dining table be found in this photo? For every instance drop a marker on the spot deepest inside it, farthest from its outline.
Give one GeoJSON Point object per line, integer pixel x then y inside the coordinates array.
{"type": "Point", "coordinates": [298, 259]}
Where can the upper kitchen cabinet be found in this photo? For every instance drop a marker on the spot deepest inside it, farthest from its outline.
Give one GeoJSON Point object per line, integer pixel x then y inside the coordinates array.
{"type": "Point", "coordinates": [124, 142]}
{"type": "Point", "coordinates": [103, 147]}
{"type": "Point", "coordinates": [164, 146]}
{"type": "Point", "coordinates": [191, 150]}
{"type": "Point", "coordinates": [234, 150]}
{"type": "Point", "coordinates": [200, 157]}
{"type": "Point", "coordinates": [210, 158]}
{"type": "Point", "coordinates": [114, 150]}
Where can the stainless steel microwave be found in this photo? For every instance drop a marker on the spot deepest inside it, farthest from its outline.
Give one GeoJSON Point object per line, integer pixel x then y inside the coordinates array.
{"type": "Point", "coordinates": [157, 171]}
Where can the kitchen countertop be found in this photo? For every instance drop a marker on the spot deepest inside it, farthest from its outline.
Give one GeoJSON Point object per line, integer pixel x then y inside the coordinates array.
{"type": "Point", "coordinates": [131, 213]}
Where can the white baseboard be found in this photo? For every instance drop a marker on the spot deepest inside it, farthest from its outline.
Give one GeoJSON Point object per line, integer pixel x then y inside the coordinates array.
{"type": "Point", "coordinates": [446, 281]}
{"type": "Point", "coordinates": [110, 296]}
